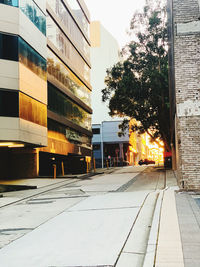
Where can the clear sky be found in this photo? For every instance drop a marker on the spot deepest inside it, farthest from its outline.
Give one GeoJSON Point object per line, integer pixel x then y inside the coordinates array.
{"type": "Point", "coordinates": [115, 15]}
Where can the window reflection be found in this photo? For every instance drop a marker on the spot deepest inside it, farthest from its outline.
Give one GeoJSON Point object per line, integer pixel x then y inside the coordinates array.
{"type": "Point", "coordinates": [63, 14]}
{"type": "Point", "coordinates": [31, 59]}
{"type": "Point", "coordinates": [32, 110]}
{"type": "Point", "coordinates": [32, 11]}
{"type": "Point", "coordinates": [15, 48]}
{"type": "Point", "coordinates": [61, 104]}
{"type": "Point", "coordinates": [62, 74]}
{"type": "Point", "coordinates": [9, 2]}
{"type": "Point", "coordinates": [69, 134]}
{"type": "Point", "coordinates": [57, 37]}
{"type": "Point", "coordinates": [74, 5]}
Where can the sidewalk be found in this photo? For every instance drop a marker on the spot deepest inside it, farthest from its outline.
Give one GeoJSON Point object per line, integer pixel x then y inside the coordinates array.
{"type": "Point", "coordinates": [179, 228]}
{"type": "Point", "coordinates": [144, 227]}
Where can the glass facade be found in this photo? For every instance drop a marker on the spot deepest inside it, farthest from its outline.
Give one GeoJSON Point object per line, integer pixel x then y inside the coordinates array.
{"type": "Point", "coordinates": [9, 103]}
{"type": "Point", "coordinates": [62, 74]}
{"type": "Point", "coordinates": [63, 14]}
{"type": "Point", "coordinates": [32, 110]}
{"type": "Point", "coordinates": [74, 5]}
{"type": "Point", "coordinates": [32, 60]}
{"type": "Point", "coordinates": [15, 48]}
{"type": "Point", "coordinates": [69, 134]}
{"type": "Point", "coordinates": [61, 42]}
{"type": "Point", "coordinates": [8, 47]}
{"type": "Point", "coordinates": [32, 11]}
{"type": "Point", "coordinates": [61, 104]}
{"type": "Point", "coordinates": [10, 2]}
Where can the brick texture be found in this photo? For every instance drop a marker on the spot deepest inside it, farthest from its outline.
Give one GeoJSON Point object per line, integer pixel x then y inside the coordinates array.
{"type": "Point", "coordinates": [187, 87]}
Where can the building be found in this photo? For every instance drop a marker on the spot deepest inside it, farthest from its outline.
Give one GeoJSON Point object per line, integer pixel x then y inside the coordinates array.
{"type": "Point", "coordinates": [104, 54]}
{"type": "Point", "coordinates": [106, 142]}
{"type": "Point", "coordinates": [123, 150]}
{"type": "Point", "coordinates": [45, 95]}
{"type": "Point", "coordinates": [141, 147]}
{"type": "Point", "coordinates": [184, 61]}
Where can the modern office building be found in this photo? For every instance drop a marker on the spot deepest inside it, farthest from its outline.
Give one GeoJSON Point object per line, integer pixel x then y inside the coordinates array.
{"type": "Point", "coordinates": [104, 54]}
{"type": "Point", "coordinates": [45, 103]}
{"type": "Point", "coordinates": [184, 62]}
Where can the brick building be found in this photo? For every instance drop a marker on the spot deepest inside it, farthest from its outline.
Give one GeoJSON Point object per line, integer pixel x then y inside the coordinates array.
{"type": "Point", "coordinates": [184, 61]}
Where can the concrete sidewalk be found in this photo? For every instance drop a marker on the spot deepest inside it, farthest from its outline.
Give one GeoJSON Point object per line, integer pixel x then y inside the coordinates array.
{"type": "Point", "coordinates": [150, 226]}
{"type": "Point", "coordinates": [179, 228]}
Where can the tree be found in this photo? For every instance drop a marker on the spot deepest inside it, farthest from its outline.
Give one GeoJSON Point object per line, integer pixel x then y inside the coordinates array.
{"type": "Point", "coordinates": [137, 87]}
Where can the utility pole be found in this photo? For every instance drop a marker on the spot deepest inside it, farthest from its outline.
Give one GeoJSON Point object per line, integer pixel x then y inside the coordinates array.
{"type": "Point", "coordinates": [102, 153]}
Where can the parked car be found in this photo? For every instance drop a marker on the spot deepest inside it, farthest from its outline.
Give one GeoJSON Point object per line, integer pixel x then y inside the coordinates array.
{"type": "Point", "coordinates": [146, 162]}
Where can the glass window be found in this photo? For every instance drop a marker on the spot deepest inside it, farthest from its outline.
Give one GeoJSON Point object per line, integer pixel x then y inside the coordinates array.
{"type": "Point", "coordinates": [61, 104]}
{"type": "Point", "coordinates": [8, 47]}
{"type": "Point", "coordinates": [32, 11]}
{"type": "Point", "coordinates": [32, 60]}
{"type": "Point", "coordinates": [61, 42]}
{"type": "Point", "coordinates": [96, 130]}
{"type": "Point", "coordinates": [32, 110]}
{"type": "Point", "coordinates": [68, 134]}
{"type": "Point", "coordinates": [61, 11]}
{"type": "Point", "coordinates": [9, 103]}
{"type": "Point", "coordinates": [62, 74]}
{"type": "Point", "coordinates": [15, 48]}
{"type": "Point", "coordinates": [9, 2]}
{"type": "Point", "coordinates": [78, 12]}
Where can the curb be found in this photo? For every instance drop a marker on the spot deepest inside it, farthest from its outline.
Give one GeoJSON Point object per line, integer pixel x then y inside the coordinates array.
{"type": "Point", "coordinates": [149, 259]}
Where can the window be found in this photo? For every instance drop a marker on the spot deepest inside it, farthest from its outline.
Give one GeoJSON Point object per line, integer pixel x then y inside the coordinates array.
{"type": "Point", "coordinates": [32, 110]}
{"type": "Point", "coordinates": [96, 130]}
{"type": "Point", "coordinates": [32, 60]}
{"type": "Point", "coordinates": [9, 103]}
{"type": "Point", "coordinates": [32, 11]}
{"type": "Point", "coordinates": [62, 43]}
{"type": "Point", "coordinates": [8, 47]}
{"type": "Point", "coordinates": [74, 5]}
{"type": "Point", "coordinates": [60, 131]}
{"type": "Point", "coordinates": [61, 104]}
{"type": "Point", "coordinates": [15, 48]}
{"type": "Point", "coordinates": [62, 73]}
{"type": "Point", "coordinates": [63, 14]}
{"type": "Point", "coordinates": [9, 2]}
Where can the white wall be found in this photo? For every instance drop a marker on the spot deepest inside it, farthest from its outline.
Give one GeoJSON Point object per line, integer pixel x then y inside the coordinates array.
{"type": "Point", "coordinates": [19, 130]}
{"type": "Point", "coordinates": [102, 58]}
{"type": "Point", "coordinates": [110, 131]}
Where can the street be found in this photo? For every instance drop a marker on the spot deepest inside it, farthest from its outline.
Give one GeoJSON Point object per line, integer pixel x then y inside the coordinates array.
{"type": "Point", "coordinates": [110, 219]}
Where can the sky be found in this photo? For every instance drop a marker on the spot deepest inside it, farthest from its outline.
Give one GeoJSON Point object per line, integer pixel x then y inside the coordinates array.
{"type": "Point", "coordinates": [115, 16]}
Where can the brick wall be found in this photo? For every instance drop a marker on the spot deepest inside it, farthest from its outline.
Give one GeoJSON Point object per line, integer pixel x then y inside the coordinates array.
{"type": "Point", "coordinates": [187, 86]}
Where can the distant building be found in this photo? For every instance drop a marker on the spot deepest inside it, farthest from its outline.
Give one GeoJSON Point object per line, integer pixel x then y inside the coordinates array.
{"type": "Point", "coordinates": [184, 62]}
{"type": "Point", "coordinates": [124, 150]}
{"type": "Point", "coordinates": [45, 91]}
{"type": "Point", "coordinates": [104, 54]}
{"type": "Point", "coordinates": [107, 142]}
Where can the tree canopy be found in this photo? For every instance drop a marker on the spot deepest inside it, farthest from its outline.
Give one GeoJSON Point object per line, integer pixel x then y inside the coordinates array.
{"type": "Point", "coordinates": [137, 86]}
